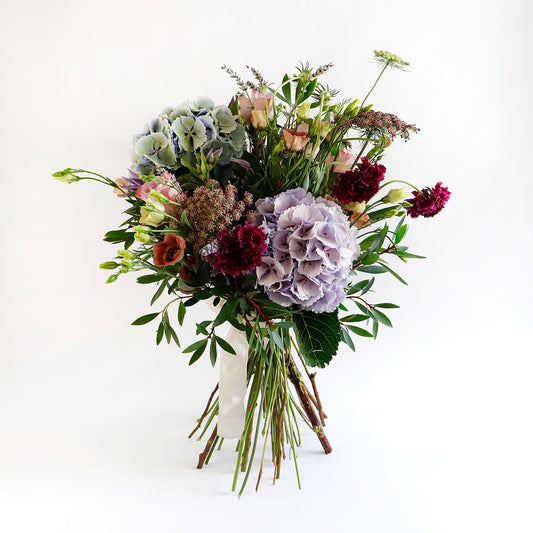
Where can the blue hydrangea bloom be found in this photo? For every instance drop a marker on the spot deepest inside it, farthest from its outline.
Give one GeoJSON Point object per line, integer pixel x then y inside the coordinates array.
{"type": "Point", "coordinates": [311, 249]}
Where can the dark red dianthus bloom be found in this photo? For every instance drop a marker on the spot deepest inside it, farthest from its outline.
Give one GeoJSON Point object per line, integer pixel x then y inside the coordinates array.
{"type": "Point", "coordinates": [428, 202]}
{"type": "Point", "coordinates": [239, 250]}
{"type": "Point", "coordinates": [359, 185]}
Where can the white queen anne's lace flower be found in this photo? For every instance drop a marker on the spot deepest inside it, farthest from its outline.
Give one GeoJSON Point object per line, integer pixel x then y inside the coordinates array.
{"type": "Point", "coordinates": [310, 252]}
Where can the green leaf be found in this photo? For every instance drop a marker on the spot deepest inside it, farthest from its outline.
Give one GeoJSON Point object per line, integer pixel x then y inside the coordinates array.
{"type": "Point", "coordinates": [287, 324]}
{"type": "Point", "coordinates": [167, 327]}
{"type": "Point", "coordinates": [347, 339]}
{"type": "Point", "coordinates": [307, 93]}
{"type": "Point", "coordinates": [377, 243]}
{"type": "Point", "coordinates": [129, 240]}
{"type": "Point", "coordinates": [364, 309]}
{"type": "Point", "coordinates": [388, 269]}
{"type": "Point", "coordinates": [202, 295]}
{"type": "Point", "coordinates": [375, 327]}
{"type": "Point", "coordinates": [159, 291]}
{"type": "Point", "coordinates": [150, 278]}
{"type": "Point", "coordinates": [213, 352]}
{"type": "Point", "coordinates": [354, 318]}
{"type": "Point", "coordinates": [407, 255]}
{"type": "Point", "coordinates": [115, 236]}
{"type": "Point", "coordinates": [201, 328]}
{"type": "Point", "coordinates": [400, 234]}
{"type": "Point", "coordinates": [173, 334]}
{"type": "Point", "coordinates": [360, 331]}
{"type": "Point", "coordinates": [318, 335]}
{"type": "Point", "coordinates": [368, 286]}
{"type": "Point", "coordinates": [181, 312]}
{"type": "Point", "coordinates": [195, 346]}
{"type": "Point", "coordinates": [372, 269]}
{"type": "Point", "coordinates": [370, 259]}
{"type": "Point", "coordinates": [384, 319]}
{"type": "Point", "coordinates": [219, 291]}
{"type": "Point", "coordinates": [278, 341]}
{"type": "Point", "coordinates": [228, 309]}
{"type": "Point", "coordinates": [197, 354]}
{"type": "Point", "coordinates": [387, 306]}
{"type": "Point", "coordinates": [225, 345]}
{"type": "Point", "coordinates": [357, 287]}
{"type": "Point", "coordinates": [160, 332]}
{"type": "Point", "coordinates": [144, 319]}
{"type": "Point", "coordinates": [286, 88]}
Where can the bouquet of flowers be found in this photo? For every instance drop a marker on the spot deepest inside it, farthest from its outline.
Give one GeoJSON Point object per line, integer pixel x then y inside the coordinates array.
{"type": "Point", "coordinates": [276, 210]}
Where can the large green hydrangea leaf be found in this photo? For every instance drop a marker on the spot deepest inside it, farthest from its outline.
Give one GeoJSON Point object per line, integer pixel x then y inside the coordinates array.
{"type": "Point", "coordinates": [318, 335]}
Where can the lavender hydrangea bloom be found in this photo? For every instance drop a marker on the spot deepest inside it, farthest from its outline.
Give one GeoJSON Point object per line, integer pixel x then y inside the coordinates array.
{"type": "Point", "coordinates": [311, 249]}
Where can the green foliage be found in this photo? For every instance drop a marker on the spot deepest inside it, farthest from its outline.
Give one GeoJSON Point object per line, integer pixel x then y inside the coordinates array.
{"type": "Point", "coordinates": [318, 336]}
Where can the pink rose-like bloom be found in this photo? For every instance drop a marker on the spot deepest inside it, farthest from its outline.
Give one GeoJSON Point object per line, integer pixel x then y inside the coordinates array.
{"type": "Point", "coordinates": [344, 159]}
{"type": "Point", "coordinates": [295, 140]}
{"type": "Point", "coordinates": [260, 102]}
{"type": "Point", "coordinates": [143, 192]}
{"type": "Point", "coordinates": [428, 202]}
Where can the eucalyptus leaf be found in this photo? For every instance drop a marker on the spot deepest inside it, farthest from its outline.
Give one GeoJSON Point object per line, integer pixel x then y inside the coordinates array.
{"type": "Point", "coordinates": [145, 319]}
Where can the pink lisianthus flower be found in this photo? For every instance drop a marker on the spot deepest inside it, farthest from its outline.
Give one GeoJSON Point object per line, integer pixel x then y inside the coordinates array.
{"type": "Point", "coordinates": [143, 192]}
{"type": "Point", "coordinates": [344, 161]}
{"type": "Point", "coordinates": [259, 102]}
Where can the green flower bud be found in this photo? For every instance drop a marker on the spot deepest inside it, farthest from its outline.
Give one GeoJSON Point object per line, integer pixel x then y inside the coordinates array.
{"type": "Point", "coordinates": [367, 108]}
{"type": "Point", "coordinates": [353, 108]}
{"type": "Point", "coordinates": [142, 229]}
{"type": "Point", "coordinates": [143, 238]}
{"type": "Point", "coordinates": [159, 196]}
{"type": "Point", "coordinates": [109, 265]}
{"type": "Point", "coordinates": [395, 196]}
{"type": "Point", "coordinates": [126, 263]}
{"type": "Point", "coordinates": [66, 176]}
{"type": "Point", "coordinates": [391, 213]}
{"type": "Point", "coordinates": [112, 278]}
{"type": "Point", "coordinates": [126, 254]}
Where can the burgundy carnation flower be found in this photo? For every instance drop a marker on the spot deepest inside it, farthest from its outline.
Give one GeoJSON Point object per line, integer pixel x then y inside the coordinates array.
{"type": "Point", "coordinates": [239, 250]}
{"type": "Point", "coordinates": [428, 202]}
{"type": "Point", "coordinates": [359, 185]}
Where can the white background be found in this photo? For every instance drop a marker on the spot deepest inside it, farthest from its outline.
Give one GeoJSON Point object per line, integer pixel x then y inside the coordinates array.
{"type": "Point", "coordinates": [430, 424]}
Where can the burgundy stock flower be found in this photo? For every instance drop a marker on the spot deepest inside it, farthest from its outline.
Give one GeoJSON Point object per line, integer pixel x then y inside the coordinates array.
{"type": "Point", "coordinates": [170, 251]}
{"type": "Point", "coordinates": [239, 250]}
{"type": "Point", "coordinates": [428, 202]}
{"type": "Point", "coordinates": [360, 184]}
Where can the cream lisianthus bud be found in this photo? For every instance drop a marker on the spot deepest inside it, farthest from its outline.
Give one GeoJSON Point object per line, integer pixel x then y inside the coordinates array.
{"type": "Point", "coordinates": [303, 112]}
{"type": "Point", "coordinates": [152, 214]}
{"type": "Point", "coordinates": [357, 207]}
{"type": "Point", "coordinates": [395, 196]}
{"type": "Point", "coordinates": [259, 119]}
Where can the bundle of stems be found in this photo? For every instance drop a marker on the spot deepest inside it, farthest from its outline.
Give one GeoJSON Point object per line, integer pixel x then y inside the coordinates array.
{"type": "Point", "coordinates": [277, 394]}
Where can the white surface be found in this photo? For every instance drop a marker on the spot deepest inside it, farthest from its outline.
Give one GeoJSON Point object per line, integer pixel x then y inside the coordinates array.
{"type": "Point", "coordinates": [431, 424]}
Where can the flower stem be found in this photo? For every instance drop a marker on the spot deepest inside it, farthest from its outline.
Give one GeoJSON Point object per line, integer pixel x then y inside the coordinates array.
{"type": "Point", "coordinates": [296, 379]}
